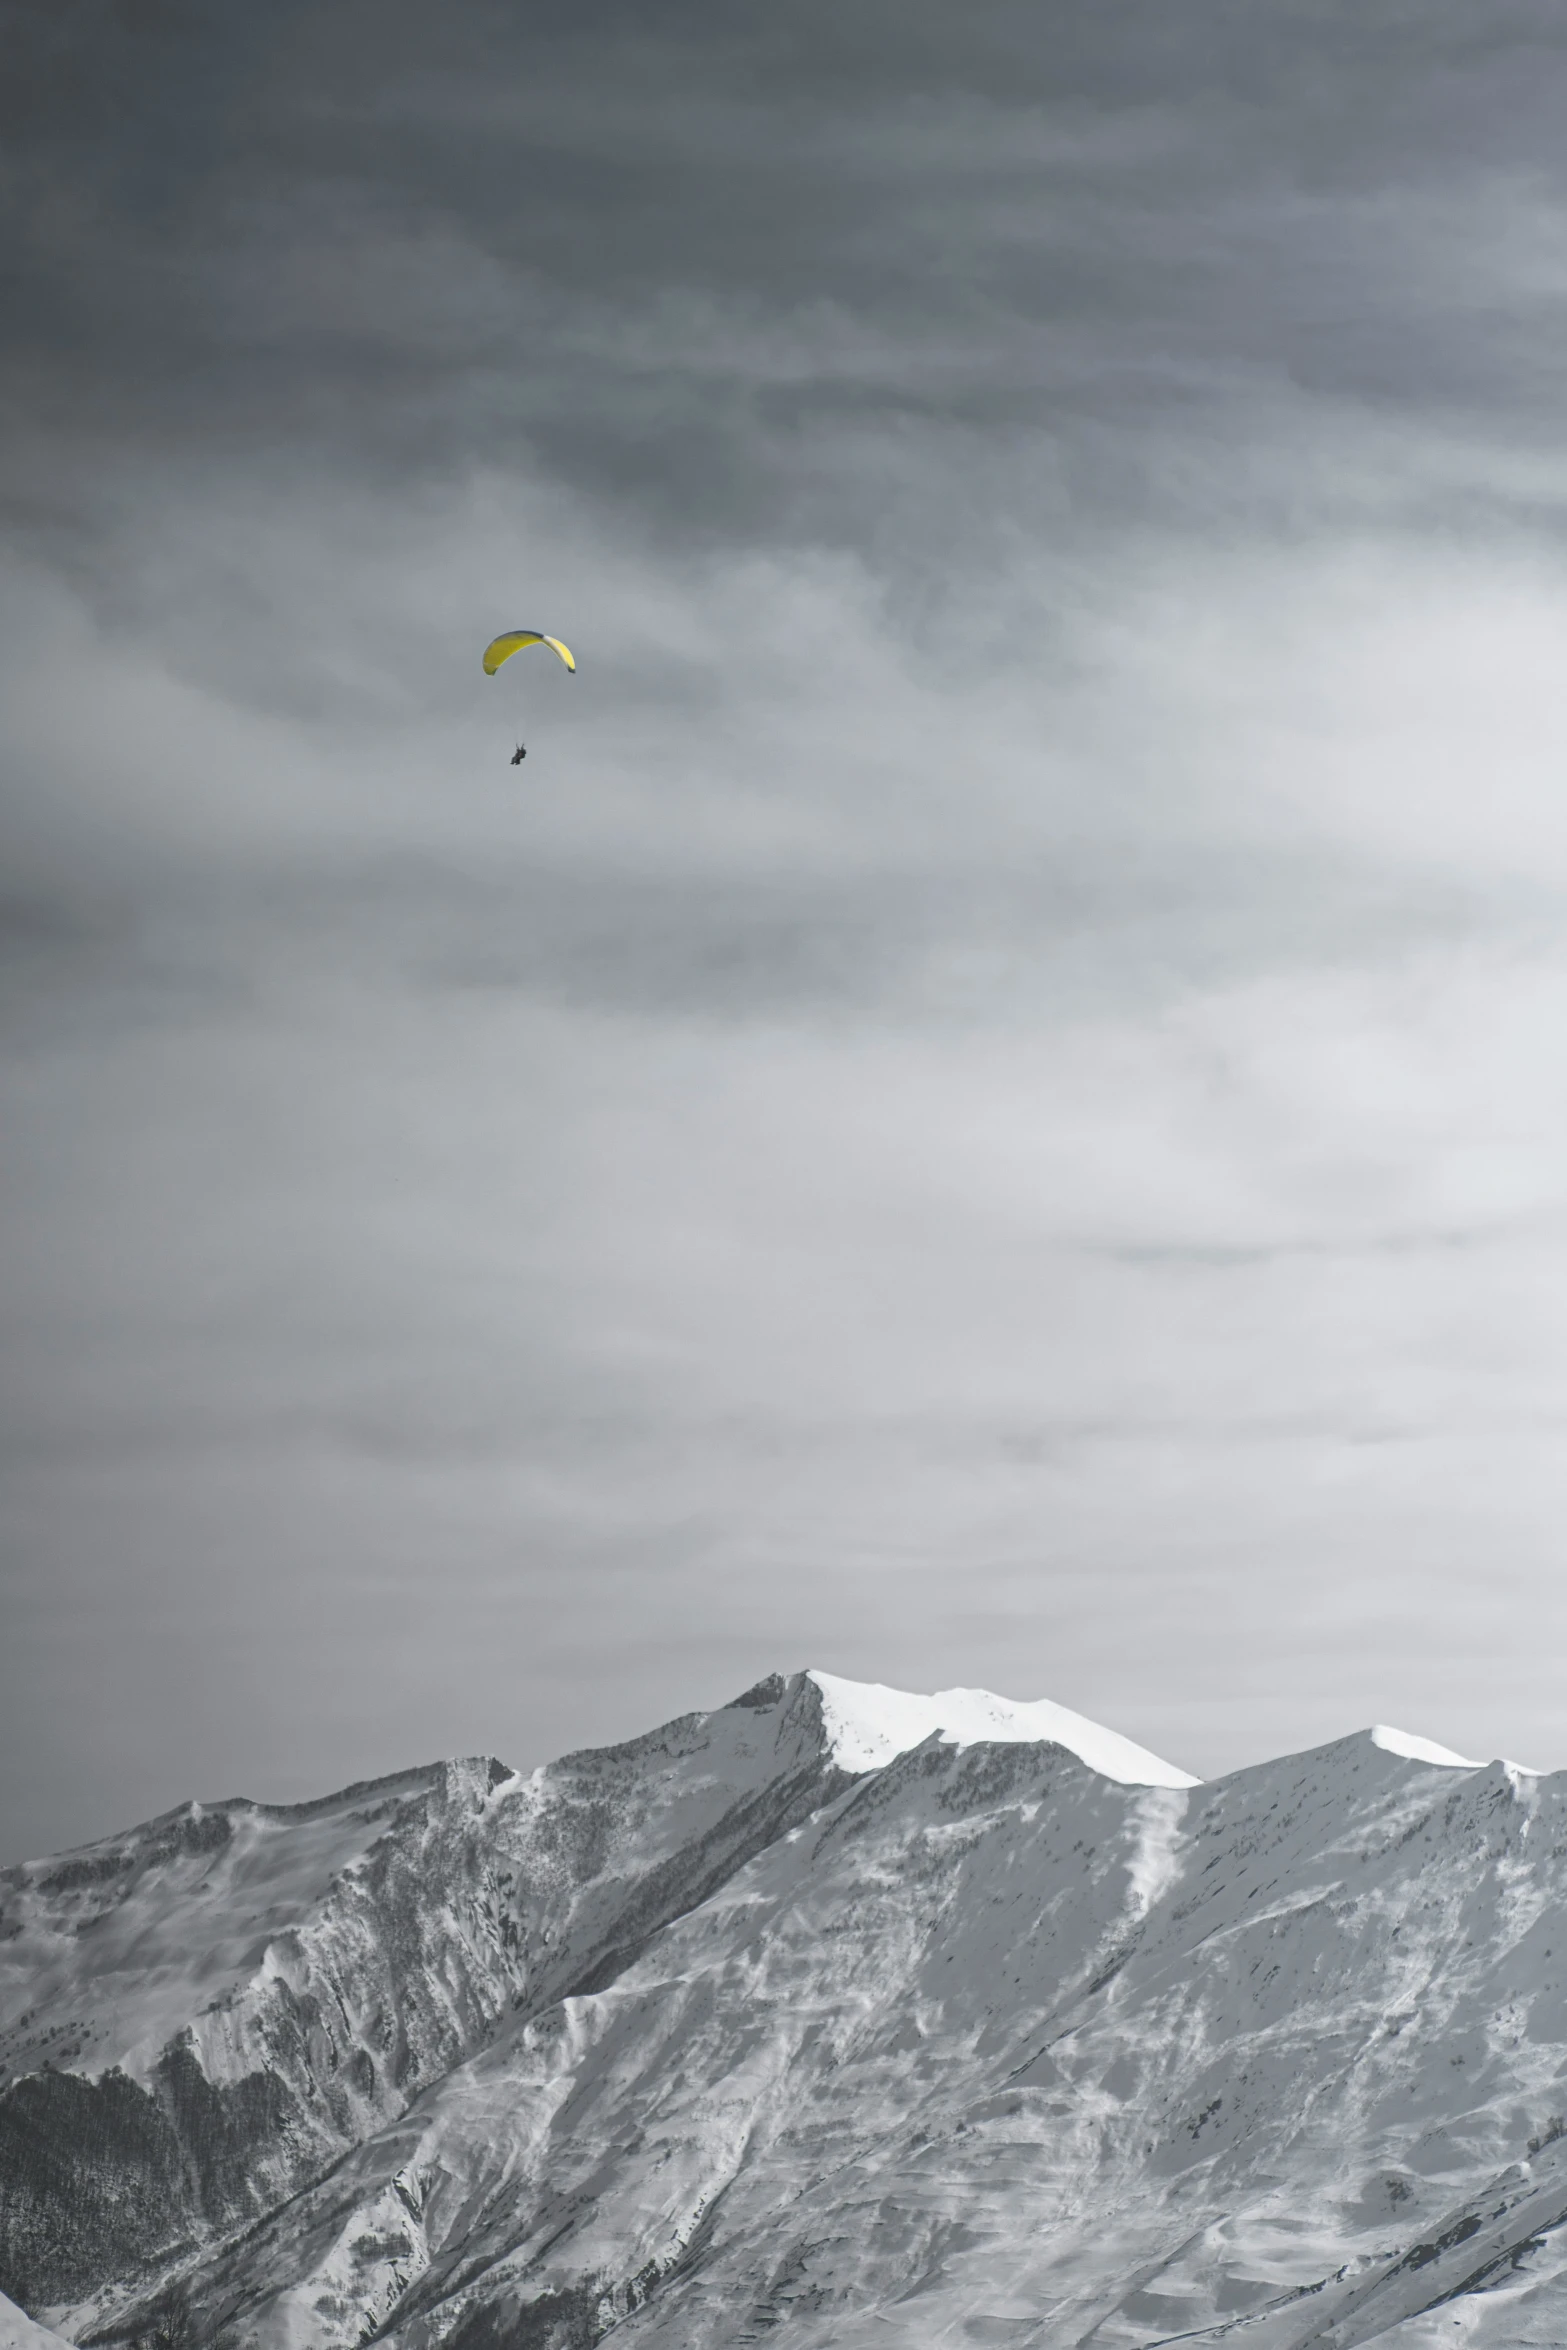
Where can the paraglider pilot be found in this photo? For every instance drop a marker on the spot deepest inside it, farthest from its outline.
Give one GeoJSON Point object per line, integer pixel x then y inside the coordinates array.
{"type": "Point", "coordinates": [502, 649]}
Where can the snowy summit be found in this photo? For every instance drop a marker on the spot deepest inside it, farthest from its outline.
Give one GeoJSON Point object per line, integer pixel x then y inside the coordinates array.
{"type": "Point", "coordinates": [868, 1724]}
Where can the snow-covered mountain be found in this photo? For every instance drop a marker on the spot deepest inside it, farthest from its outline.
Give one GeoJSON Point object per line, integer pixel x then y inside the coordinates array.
{"type": "Point", "coordinates": [838, 2016]}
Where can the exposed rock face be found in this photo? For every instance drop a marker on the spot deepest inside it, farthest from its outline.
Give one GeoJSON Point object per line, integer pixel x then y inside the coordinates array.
{"type": "Point", "coordinates": [706, 2041]}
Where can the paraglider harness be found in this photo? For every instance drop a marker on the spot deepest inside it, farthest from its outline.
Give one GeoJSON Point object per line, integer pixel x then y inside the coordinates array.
{"type": "Point", "coordinates": [519, 754]}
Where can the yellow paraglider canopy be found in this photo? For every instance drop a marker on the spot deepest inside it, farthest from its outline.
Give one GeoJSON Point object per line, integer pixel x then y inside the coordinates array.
{"type": "Point", "coordinates": [513, 642]}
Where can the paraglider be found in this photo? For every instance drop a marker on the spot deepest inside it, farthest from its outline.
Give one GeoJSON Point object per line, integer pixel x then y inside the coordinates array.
{"type": "Point", "coordinates": [514, 640]}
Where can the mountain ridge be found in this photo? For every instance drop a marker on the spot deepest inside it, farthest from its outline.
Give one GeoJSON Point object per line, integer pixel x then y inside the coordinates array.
{"type": "Point", "coordinates": [707, 2038]}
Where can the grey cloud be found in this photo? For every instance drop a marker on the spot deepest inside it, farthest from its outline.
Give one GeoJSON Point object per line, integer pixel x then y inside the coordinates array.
{"type": "Point", "coordinates": [407, 249]}
{"type": "Point", "coordinates": [984, 1107]}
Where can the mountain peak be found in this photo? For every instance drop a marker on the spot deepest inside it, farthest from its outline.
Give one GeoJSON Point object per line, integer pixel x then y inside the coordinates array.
{"type": "Point", "coordinates": [1415, 1749]}
{"type": "Point", "coordinates": [1426, 1750]}
{"type": "Point", "coordinates": [732, 2029]}
{"type": "Point", "coordinates": [867, 1724]}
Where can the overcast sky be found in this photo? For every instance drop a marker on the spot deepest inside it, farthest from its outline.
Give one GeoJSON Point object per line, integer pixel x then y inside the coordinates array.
{"type": "Point", "coordinates": [990, 1105]}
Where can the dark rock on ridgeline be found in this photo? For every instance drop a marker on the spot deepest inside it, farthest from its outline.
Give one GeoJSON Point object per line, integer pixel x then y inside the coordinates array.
{"type": "Point", "coordinates": [203, 2016]}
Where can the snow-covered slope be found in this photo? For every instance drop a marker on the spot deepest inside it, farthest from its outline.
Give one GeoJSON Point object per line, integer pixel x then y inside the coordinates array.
{"type": "Point", "coordinates": [1426, 1750]}
{"type": "Point", "coordinates": [18, 2332]}
{"type": "Point", "coordinates": [979, 2044]}
{"type": "Point", "coordinates": [199, 2017]}
{"type": "Point", "coordinates": [867, 1725]}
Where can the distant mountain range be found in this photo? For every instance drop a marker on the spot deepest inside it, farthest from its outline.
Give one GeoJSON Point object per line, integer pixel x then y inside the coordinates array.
{"type": "Point", "coordinates": [836, 2018]}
